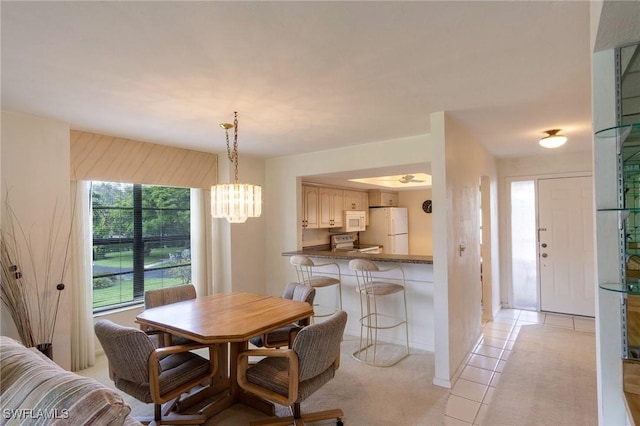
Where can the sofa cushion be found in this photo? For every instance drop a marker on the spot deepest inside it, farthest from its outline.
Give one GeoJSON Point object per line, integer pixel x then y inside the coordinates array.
{"type": "Point", "coordinates": [36, 391]}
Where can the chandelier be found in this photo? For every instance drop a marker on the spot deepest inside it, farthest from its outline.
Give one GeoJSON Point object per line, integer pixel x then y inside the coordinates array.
{"type": "Point", "coordinates": [235, 201]}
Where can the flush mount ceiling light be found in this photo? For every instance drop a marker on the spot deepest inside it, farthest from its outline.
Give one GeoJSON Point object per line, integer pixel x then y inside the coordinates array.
{"type": "Point", "coordinates": [553, 139]}
{"type": "Point", "coordinates": [235, 201]}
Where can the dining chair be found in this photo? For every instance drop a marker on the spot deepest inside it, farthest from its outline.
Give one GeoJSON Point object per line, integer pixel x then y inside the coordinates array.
{"type": "Point", "coordinates": [307, 272]}
{"type": "Point", "coordinates": [289, 376]}
{"type": "Point", "coordinates": [374, 284]}
{"type": "Point", "coordinates": [283, 336]}
{"type": "Point", "coordinates": [155, 375]}
{"type": "Point", "coordinates": [166, 296]}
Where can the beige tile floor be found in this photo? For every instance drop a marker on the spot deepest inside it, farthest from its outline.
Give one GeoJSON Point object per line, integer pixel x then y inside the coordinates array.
{"type": "Point", "coordinates": [473, 389]}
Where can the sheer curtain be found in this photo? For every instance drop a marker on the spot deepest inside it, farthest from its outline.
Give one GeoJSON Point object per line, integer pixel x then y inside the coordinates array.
{"type": "Point", "coordinates": [201, 242]}
{"type": "Point", "coordinates": [82, 340]}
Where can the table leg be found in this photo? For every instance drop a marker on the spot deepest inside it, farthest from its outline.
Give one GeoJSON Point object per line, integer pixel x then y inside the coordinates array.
{"type": "Point", "coordinates": [235, 349]}
{"type": "Point", "coordinates": [219, 389]}
{"type": "Point", "coordinates": [240, 395]}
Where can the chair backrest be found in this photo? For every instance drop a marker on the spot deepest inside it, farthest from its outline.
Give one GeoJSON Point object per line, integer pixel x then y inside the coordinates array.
{"type": "Point", "coordinates": [301, 260]}
{"type": "Point", "coordinates": [300, 292]}
{"type": "Point", "coordinates": [362, 265]}
{"type": "Point", "coordinates": [318, 345]}
{"type": "Point", "coordinates": [304, 267]}
{"type": "Point", "coordinates": [364, 270]}
{"type": "Point", "coordinates": [168, 295]}
{"type": "Point", "coordinates": [127, 349]}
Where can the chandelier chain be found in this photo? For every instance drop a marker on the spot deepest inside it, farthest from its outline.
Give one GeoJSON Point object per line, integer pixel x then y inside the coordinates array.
{"type": "Point", "coordinates": [233, 155]}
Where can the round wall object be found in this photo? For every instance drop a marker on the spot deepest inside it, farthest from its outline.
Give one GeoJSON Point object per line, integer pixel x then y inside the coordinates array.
{"type": "Point", "coordinates": [426, 206]}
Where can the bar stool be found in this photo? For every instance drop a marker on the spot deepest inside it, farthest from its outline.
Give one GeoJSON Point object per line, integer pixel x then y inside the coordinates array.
{"type": "Point", "coordinates": [373, 286]}
{"type": "Point", "coordinates": [305, 268]}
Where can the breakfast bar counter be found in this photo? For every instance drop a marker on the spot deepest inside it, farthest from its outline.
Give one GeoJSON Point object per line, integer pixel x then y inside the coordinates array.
{"type": "Point", "coordinates": [374, 257]}
{"type": "Point", "coordinates": [419, 285]}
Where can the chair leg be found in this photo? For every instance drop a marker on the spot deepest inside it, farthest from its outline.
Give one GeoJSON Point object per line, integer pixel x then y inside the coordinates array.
{"type": "Point", "coordinates": [303, 419]}
{"type": "Point", "coordinates": [369, 341]}
{"type": "Point", "coordinates": [295, 409]}
{"type": "Point", "coordinates": [164, 415]}
{"type": "Point", "coordinates": [323, 415]}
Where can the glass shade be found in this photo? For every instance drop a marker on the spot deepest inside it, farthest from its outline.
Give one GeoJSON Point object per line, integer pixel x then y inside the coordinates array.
{"type": "Point", "coordinates": [553, 141]}
{"type": "Point", "coordinates": [236, 201]}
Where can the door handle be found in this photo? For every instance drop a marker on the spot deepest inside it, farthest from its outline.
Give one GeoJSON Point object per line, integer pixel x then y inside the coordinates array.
{"type": "Point", "coordinates": [541, 230]}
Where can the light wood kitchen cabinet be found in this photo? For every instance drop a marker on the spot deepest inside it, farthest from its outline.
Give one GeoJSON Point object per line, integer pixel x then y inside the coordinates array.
{"type": "Point", "coordinates": [379, 198]}
{"type": "Point", "coordinates": [356, 200]}
{"type": "Point", "coordinates": [310, 207]}
{"type": "Point", "coordinates": [323, 207]}
{"type": "Point", "coordinates": [331, 207]}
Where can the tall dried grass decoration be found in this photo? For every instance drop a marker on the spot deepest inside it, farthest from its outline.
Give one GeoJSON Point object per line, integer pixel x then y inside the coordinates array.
{"type": "Point", "coordinates": [30, 300]}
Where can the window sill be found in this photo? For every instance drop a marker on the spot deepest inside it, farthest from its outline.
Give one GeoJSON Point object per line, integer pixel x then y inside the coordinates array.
{"type": "Point", "coordinates": [119, 309]}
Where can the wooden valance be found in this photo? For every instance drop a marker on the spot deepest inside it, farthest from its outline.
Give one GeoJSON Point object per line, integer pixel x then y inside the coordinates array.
{"type": "Point", "coordinates": [113, 159]}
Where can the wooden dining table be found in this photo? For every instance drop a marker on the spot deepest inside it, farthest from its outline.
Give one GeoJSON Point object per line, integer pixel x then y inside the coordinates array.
{"type": "Point", "coordinates": [228, 321]}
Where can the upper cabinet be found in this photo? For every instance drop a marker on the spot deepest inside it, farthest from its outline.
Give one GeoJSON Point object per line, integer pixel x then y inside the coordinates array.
{"type": "Point", "coordinates": [378, 198]}
{"type": "Point", "coordinates": [323, 207]}
{"type": "Point", "coordinates": [310, 207]}
{"type": "Point", "coordinates": [331, 207]}
{"type": "Point", "coordinates": [356, 200]}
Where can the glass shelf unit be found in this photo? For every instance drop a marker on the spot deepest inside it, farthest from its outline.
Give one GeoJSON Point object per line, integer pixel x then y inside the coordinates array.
{"type": "Point", "coordinates": [628, 288]}
{"type": "Point", "coordinates": [621, 132]}
{"type": "Point", "coordinates": [627, 139]}
{"type": "Point", "coordinates": [627, 209]}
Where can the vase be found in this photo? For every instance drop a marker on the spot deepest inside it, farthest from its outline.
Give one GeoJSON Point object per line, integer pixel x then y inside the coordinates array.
{"type": "Point", "coordinates": [46, 349]}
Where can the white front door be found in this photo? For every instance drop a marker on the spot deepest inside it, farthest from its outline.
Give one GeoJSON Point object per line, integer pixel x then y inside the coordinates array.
{"type": "Point", "coordinates": [565, 245]}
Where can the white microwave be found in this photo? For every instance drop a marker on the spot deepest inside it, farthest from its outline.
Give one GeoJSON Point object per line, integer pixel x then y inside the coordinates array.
{"type": "Point", "coordinates": [354, 221]}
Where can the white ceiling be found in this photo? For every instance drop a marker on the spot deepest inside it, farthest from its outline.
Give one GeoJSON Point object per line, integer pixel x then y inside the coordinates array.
{"type": "Point", "coordinates": [304, 76]}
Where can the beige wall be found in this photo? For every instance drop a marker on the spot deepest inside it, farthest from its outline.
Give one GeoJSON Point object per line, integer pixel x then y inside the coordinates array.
{"type": "Point", "coordinates": [246, 243]}
{"type": "Point", "coordinates": [35, 176]}
{"type": "Point", "coordinates": [553, 163]}
{"type": "Point", "coordinates": [458, 164]}
{"type": "Point", "coordinates": [420, 238]}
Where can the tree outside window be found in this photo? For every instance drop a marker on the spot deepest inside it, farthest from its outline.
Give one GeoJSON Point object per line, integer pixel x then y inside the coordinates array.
{"type": "Point", "coordinates": [141, 241]}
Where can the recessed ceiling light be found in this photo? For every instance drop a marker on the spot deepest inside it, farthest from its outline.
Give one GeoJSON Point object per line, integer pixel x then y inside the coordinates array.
{"type": "Point", "coordinates": [553, 139]}
{"type": "Point", "coordinates": [398, 181]}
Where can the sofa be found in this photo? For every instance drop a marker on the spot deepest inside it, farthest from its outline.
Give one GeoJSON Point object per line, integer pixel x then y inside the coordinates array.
{"type": "Point", "coordinates": [36, 391]}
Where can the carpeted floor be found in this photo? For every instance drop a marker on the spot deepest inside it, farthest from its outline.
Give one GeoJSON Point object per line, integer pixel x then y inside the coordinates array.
{"type": "Point", "coordinates": [550, 379]}
{"type": "Point", "coordinates": [369, 396]}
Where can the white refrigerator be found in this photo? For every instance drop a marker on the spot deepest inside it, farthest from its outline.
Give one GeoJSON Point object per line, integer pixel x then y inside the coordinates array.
{"type": "Point", "coordinates": [389, 228]}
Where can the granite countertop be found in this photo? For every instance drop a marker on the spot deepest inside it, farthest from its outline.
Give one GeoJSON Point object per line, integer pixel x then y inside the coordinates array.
{"type": "Point", "coordinates": [374, 257]}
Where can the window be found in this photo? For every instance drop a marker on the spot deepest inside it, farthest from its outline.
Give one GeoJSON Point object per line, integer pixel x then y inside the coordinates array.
{"type": "Point", "coordinates": [524, 244]}
{"type": "Point", "coordinates": [141, 241]}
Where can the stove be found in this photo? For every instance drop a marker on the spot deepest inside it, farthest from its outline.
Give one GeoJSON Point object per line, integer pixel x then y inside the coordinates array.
{"type": "Point", "coordinates": [347, 243]}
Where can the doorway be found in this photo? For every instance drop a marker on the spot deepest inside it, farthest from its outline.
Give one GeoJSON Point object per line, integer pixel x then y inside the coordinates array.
{"type": "Point", "coordinates": [551, 228]}
{"type": "Point", "coordinates": [565, 224]}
